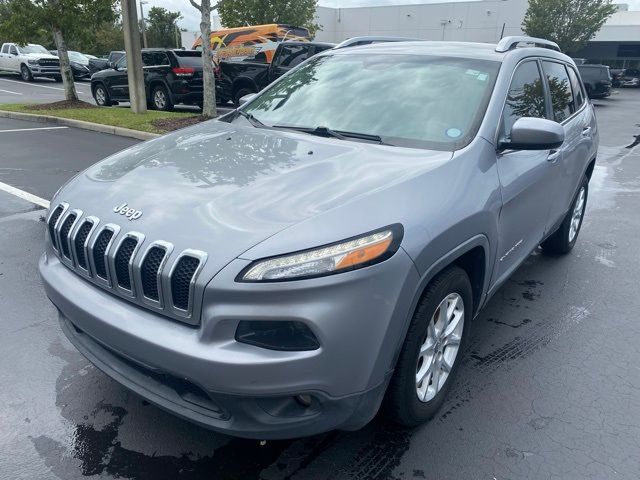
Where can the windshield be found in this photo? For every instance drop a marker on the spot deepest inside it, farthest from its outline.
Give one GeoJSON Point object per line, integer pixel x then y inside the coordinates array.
{"type": "Point", "coordinates": [34, 49]}
{"type": "Point", "coordinates": [406, 100]}
{"type": "Point", "coordinates": [77, 57]}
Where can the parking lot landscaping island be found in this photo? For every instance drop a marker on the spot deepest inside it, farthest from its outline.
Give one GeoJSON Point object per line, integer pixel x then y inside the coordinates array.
{"type": "Point", "coordinates": [154, 122]}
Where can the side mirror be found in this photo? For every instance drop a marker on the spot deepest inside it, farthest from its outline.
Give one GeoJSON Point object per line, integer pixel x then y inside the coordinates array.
{"type": "Point", "coordinates": [113, 65]}
{"type": "Point", "coordinates": [247, 98]}
{"type": "Point", "coordinates": [535, 134]}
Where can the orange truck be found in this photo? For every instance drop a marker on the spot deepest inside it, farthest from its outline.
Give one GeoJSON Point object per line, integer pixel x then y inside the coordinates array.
{"type": "Point", "coordinates": [256, 43]}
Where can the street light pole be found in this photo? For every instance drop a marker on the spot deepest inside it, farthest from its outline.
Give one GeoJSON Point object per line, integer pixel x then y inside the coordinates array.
{"type": "Point", "coordinates": [144, 27]}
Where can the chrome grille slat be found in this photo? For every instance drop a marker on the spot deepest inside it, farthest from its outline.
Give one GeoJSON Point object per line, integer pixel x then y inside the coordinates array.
{"type": "Point", "coordinates": [116, 261]}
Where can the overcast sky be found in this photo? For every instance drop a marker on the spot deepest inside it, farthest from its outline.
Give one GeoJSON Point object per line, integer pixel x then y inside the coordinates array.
{"type": "Point", "coordinates": [191, 17]}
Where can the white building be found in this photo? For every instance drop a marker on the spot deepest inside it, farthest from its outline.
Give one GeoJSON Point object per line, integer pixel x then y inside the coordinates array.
{"type": "Point", "coordinates": [617, 44]}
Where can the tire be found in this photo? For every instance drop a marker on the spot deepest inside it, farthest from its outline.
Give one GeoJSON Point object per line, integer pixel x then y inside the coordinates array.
{"type": "Point", "coordinates": [160, 99]}
{"type": "Point", "coordinates": [564, 238]}
{"type": "Point", "coordinates": [101, 95]}
{"type": "Point", "coordinates": [402, 403]}
{"type": "Point", "coordinates": [25, 73]}
{"type": "Point", "coordinates": [241, 92]}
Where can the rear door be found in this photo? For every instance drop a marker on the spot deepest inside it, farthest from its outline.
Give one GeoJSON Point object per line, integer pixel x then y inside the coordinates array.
{"type": "Point", "coordinates": [569, 108]}
{"type": "Point", "coordinates": [524, 175]}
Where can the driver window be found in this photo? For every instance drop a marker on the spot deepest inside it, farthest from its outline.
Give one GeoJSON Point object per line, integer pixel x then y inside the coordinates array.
{"type": "Point", "coordinates": [13, 51]}
{"type": "Point", "coordinates": [525, 98]}
{"type": "Point", "coordinates": [122, 63]}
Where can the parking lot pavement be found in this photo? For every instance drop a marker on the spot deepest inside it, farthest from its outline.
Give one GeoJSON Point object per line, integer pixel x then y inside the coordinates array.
{"type": "Point", "coordinates": [42, 90]}
{"type": "Point", "coordinates": [39, 158]}
{"type": "Point", "coordinates": [547, 389]}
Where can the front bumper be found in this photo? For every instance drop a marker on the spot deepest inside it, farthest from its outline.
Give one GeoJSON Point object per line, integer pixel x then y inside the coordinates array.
{"type": "Point", "coordinates": [38, 71]}
{"type": "Point", "coordinates": [202, 374]}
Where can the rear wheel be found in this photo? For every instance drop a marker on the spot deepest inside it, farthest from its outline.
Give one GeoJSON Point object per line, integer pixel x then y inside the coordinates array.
{"type": "Point", "coordinates": [564, 239]}
{"type": "Point", "coordinates": [160, 99]}
{"type": "Point", "coordinates": [26, 74]}
{"type": "Point", "coordinates": [101, 96]}
{"type": "Point", "coordinates": [430, 355]}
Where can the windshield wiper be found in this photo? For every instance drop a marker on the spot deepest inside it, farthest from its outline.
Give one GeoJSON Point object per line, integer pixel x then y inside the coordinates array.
{"type": "Point", "coordinates": [342, 135]}
{"type": "Point", "coordinates": [253, 120]}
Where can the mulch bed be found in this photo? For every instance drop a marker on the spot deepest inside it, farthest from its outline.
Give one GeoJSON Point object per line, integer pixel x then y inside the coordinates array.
{"type": "Point", "coordinates": [62, 105]}
{"type": "Point", "coordinates": [171, 124]}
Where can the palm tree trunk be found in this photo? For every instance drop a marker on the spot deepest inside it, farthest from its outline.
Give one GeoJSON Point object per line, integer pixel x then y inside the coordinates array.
{"type": "Point", "coordinates": [65, 65]}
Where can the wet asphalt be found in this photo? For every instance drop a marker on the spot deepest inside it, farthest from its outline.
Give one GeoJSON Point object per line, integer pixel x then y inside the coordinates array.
{"type": "Point", "coordinates": [549, 387]}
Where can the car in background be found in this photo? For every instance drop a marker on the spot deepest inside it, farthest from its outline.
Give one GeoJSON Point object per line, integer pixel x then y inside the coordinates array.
{"type": "Point", "coordinates": [597, 80]}
{"type": "Point", "coordinates": [631, 78]}
{"type": "Point", "coordinates": [170, 77]}
{"type": "Point", "coordinates": [235, 79]}
{"type": "Point", "coordinates": [29, 61]}
{"type": "Point", "coordinates": [79, 64]}
{"type": "Point", "coordinates": [617, 76]}
{"type": "Point", "coordinates": [255, 43]}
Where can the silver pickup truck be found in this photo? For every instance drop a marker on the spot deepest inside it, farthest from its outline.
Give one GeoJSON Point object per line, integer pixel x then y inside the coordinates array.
{"type": "Point", "coordinates": [29, 61]}
{"type": "Point", "coordinates": [322, 251]}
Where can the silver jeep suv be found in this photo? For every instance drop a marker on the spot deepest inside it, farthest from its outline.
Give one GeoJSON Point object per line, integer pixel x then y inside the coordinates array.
{"type": "Point", "coordinates": [323, 250]}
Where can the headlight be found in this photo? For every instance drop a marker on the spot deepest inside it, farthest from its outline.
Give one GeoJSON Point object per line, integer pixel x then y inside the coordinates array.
{"type": "Point", "coordinates": [32, 62]}
{"type": "Point", "coordinates": [339, 257]}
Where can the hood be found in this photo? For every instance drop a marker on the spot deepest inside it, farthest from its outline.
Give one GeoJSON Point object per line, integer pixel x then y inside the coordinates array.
{"type": "Point", "coordinates": [223, 188]}
{"type": "Point", "coordinates": [40, 56]}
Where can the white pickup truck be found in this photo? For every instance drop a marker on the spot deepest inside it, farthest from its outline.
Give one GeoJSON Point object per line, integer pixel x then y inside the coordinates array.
{"type": "Point", "coordinates": [29, 61]}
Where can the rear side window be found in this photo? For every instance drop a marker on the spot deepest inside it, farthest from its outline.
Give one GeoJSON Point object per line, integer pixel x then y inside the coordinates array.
{"type": "Point", "coordinates": [576, 86]}
{"type": "Point", "coordinates": [154, 59]}
{"type": "Point", "coordinates": [5, 49]}
{"type": "Point", "coordinates": [526, 96]}
{"type": "Point", "coordinates": [560, 88]}
{"type": "Point", "coordinates": [292, 55]}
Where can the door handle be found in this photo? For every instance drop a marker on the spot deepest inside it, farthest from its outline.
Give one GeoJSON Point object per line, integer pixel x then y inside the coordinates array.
{"type": "Point", "coordinates": [553, 156]}
{"type": "Point", "coordinates": [586, 132]}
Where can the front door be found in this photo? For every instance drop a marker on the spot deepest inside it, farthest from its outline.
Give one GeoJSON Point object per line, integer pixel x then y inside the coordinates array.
{"type": "Point", "coordinates": [119, 81]}
{"type": "Point", "coordinates": [524, 175]}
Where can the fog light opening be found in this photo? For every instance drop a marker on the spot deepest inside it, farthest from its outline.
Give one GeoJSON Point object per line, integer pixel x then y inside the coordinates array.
{"type": "Point", "coordinates": [304, 400]}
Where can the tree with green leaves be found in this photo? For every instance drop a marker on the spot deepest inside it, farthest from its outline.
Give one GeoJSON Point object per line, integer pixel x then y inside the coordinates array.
{"type": "Point", "coordinates": [20, 20]}
{"type": "Point", "coordinates": [237, 13]}
{"type": "Point", "coordinates": [569, 23]}
{"type": "Point", "coordinates": [161, 25]}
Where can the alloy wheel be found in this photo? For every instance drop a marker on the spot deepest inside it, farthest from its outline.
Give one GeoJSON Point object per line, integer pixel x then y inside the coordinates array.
{"type": "Point", "coordinates": [160, 100]}
{"type": "Point", "coordinates": [100, 96]}
{"type": "Point", "coordinates": [576, 217]}
{"type": "Point", "coordinates": [440, 348]}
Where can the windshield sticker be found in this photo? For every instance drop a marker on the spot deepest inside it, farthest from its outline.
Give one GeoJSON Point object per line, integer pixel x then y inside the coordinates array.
{"type": "Point", "coordinates": [473, 73]}
{"type": "Point", "coordinates": [454, 133]}
{"type": "Point", "coordinates": [483, 77]}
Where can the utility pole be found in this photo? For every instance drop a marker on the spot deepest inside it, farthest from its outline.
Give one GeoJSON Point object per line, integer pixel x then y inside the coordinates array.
{"type": "Point", "coordinates": [135, 73]}
{"type": "Point", "coordinates": [143, 26]}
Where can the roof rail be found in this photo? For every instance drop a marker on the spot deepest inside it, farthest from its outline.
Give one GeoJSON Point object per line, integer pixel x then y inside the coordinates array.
{"type": "Point", "coordinates": [509, 43]}
{"type": "Point", "coordinates": [356, 41]}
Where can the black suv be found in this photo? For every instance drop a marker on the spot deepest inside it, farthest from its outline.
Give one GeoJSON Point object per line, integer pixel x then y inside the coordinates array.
{"type": "Point", "coordinates": [170, 77]}
{"type": "Point", "coordinates": [597, 80]}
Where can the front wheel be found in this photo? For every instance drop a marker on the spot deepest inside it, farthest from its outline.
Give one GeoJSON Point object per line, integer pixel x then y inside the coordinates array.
{"type": "Point", "coordinates": [101, 96]}
{"type": "Point", "coordinates": [430, 355]}
{"type": "Point", "coordinates": [26, 74]}
{"type": "Point", "coordinates": [564, 239]}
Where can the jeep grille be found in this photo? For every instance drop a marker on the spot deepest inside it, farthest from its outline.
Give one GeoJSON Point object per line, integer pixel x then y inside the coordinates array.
{"type": "Point", "coordinates": [149, 274]}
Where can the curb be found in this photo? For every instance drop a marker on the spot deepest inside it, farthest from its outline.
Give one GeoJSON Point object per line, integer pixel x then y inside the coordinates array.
{"type": "Point", "coordinates": [68, 122]}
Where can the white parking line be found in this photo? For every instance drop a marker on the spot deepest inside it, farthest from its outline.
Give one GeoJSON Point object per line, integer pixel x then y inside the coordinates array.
{"type": "Point", "coordinates": [24, 195]}
{"type": "Point", "coordinates": [31, 129]}
{"type": "Point", "coordinates": [9, 91]}
{"type": "Point", "coordinates": [32, 84]}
